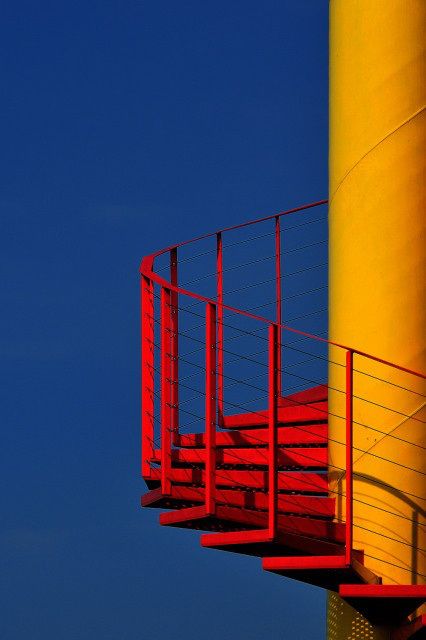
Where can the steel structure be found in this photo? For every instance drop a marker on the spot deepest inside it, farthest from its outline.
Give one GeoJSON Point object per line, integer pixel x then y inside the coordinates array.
{"type": "Point", "coordinates": [257, 478]}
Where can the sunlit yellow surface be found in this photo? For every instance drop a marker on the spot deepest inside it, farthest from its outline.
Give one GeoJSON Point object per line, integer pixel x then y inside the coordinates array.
{"type": "Point", "coordinates": [377, 300]}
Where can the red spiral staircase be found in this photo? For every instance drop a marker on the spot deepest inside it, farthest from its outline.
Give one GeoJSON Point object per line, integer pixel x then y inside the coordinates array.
{"type": "Point", "coordinates": [255, 480]}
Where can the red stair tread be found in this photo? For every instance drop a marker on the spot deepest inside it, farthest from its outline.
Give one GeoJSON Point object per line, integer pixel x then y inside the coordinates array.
{"type": "Point", "coordinates": [314, 412]}
{"type": "Point", "coordinates": [258, 543]}
{"type": "Point", "coordinates": [249, 519]}
{"type": "Point", "coordinates": [384, 603]}
{"type": "Point", "coordinates": [306, 457]}
{"type": "Point", "coordinates": [287, 435]}
{"type": "Point", "coordinates": [287, 480]}
{"type": "Point", "coordinates": [306, 505]}
{"type": "Point", "coordinates": [327, 572]}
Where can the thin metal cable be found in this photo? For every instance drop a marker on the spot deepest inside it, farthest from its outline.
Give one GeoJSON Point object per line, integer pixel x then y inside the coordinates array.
{"type": "Point", "coordinates": [237, 266]}
{"type": "Point", "coordinates": [300, 339]}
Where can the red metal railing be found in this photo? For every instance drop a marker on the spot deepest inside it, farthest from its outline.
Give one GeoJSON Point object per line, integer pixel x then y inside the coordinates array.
{"type": "Point", "coordinates": [167, 318]}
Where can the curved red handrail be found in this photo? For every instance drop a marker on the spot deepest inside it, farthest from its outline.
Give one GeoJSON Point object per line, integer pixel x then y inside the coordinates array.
{"type": "Point", "coordinates": [147, 270]}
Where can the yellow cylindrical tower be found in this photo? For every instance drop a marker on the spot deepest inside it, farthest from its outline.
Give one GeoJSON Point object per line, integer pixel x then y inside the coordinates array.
{"type": "Point", "coordinates": [377, 253]}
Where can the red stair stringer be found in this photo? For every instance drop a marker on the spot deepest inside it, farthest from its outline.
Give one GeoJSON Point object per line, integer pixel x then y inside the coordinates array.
{"type": "Point", "coordinates": [328, 572]}
{"type": "Point", "coordinates": [384, 603]}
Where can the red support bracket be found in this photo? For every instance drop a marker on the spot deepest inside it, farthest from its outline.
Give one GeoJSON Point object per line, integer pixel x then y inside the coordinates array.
{"type": "Point", "coordinates": [278, 294]}
{"type": "Point", "coordinates": [174, 345]}
{"type": "Point", "coordinates": [210, 415]}
{"type": "Point", "coordinates": [166, 392]}
{"type": "Point", "coordinates": [220, 354]}
{"type": "Point", "coordinates": [349, 456]}
{"type": "Point", "coordinates": [272, 430]}
{"type": "Point", "coordinates": [147, 344]}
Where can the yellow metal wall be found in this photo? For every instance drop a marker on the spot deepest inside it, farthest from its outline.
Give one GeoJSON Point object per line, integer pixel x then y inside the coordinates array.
{"type": "Point", "coordinates": [346, 623]}
{"type": "Point", "coordinates": [377, 272]}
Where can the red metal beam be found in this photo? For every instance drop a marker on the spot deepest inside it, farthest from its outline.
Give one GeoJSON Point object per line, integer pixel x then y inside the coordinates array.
{"type": "Point", "coordinates": [304, 457]}
{"type": "Point", "coordinates": [278, 296]}
{"type": "Point", "coordinates": [174, 368]}
{"type": "Point", "coordinates": [295, 481]}
{"type": "Point", "coordinates": [272, 446]}
{"type": "Point", "coordinates": [219, 311]}
{"type": "Point", "coordinates": [349, 456]}
{"type": "Point", "coordinates": [147, 354]}
{"type": "Point", "coordinates": [210, 390]}
{"type": "Point", "coordinates": [166, 396]}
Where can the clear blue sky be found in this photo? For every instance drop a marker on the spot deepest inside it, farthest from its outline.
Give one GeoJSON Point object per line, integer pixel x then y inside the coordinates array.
{"type": "Point", "coordinates": [127, 126]}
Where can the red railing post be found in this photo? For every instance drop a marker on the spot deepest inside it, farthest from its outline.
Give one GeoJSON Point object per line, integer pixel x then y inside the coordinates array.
{"type": "Point", "coordinates": [174, 345]}
{"type": "Point", "coordinates": [210, 411]}
{"type": "Point", "coordinates": [278, 293]}
{"type": "Point", "coordinates": [272, 429]}
{"type": "Point", "coordinates": [349, 456]}
{"type": "Point", "coordinates": [219, 298]}
{"type": "Point", "coordinates": [147, 344]}
{"type": "Point", "coordinates": [166, 395]}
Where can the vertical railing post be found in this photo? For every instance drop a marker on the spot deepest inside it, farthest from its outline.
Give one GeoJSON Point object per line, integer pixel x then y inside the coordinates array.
{"type": "Point", "coordinates": [278, 293]}
{"type": "Point", "coordinates": [166, 396]}
{"type": "Point", "coordinates": [174, 346]}
{"type": "Point", "coordinates": [147, 353]}
{"type": "Point", "coordinates": [349, 456]}
{"type": "Point", "coordinates": [273, 343]}
{"type": "Point", "coordinates": [219, 298]}
{"type": "Point", "coordinates": [210, 409]}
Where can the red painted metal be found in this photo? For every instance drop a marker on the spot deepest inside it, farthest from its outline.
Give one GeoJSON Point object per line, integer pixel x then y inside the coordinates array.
{"type": "Point", "coordinates": [314, 528]}
{"type": "Point", "coordinates": [290, 481]}
{"type": "Point", "coordinates": [146, 269]}
{"type": "Point", "coordinates": [314, 412]}
{"type": "Point", "coordinates": [306, 457]}
{"type": "Point", "coordinates": [349, 456]}
{"type": "Point", "coordinates": [304, 207]}
{"type": "Point", "coordinates": [384, 604]}
{"type": "Point", "coordinates": [174, 345]}
{"type": "Point", "coordinates": [307, 396]}
{"type": "Point", "coordinates": [166, 395]}
{"type": "Point", "coordinates": [210, 403]}
{"type": "Point", "coordinates": [278, 296]}
{"type": "Point", "coordinates": [254, 543]}
{"type": "Point", "coordinates": [273, 374]}
{"type": "Point", "coordinates": [219, 311]}
{"type": "Point", "coordinates": [301, 505]}
{"type": "Point", "coordinates": [147, 342]}
{"type": "Point", "coordinates": [305, 434]}
{"type": "Point", "coordinates": [416, 591]}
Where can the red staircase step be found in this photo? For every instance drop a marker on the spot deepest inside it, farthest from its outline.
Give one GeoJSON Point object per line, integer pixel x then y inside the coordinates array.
{"type": "Point", "coordinates": [287, 435]}
{"type": "Point", "coordinates": [314, 412]}
{"type": "Point", "coordinates": [304, 505]}
{"type": "Point", "coordinates": [327, 572]}
{"type": "Point", "coordinates": [308, 396]}
{"type": "Point", "coordinates": [300, 481]}
{"type": "Point", "coordinates": [258, 543]}
{"type": "Point", "coordinates": [305, 457]}
{"type": "Point", "coordinates": [384, 603]}
{"type": "Point", "coordinates": [250, 519]}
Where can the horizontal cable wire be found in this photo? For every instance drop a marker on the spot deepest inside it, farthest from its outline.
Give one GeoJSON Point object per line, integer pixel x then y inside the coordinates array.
{"type": "Point", "coordinates": [272, 280]}
{"type": "Point", "coordinates": [237, 266]}
{"type": "Point", "coordinates": [297, 340]}
{"type": "Point", "coordinates": [316, 382]}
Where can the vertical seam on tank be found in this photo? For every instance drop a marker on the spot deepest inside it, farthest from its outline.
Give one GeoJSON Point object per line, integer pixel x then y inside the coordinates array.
{"type": "Point", "coordinates": [399, 126]}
